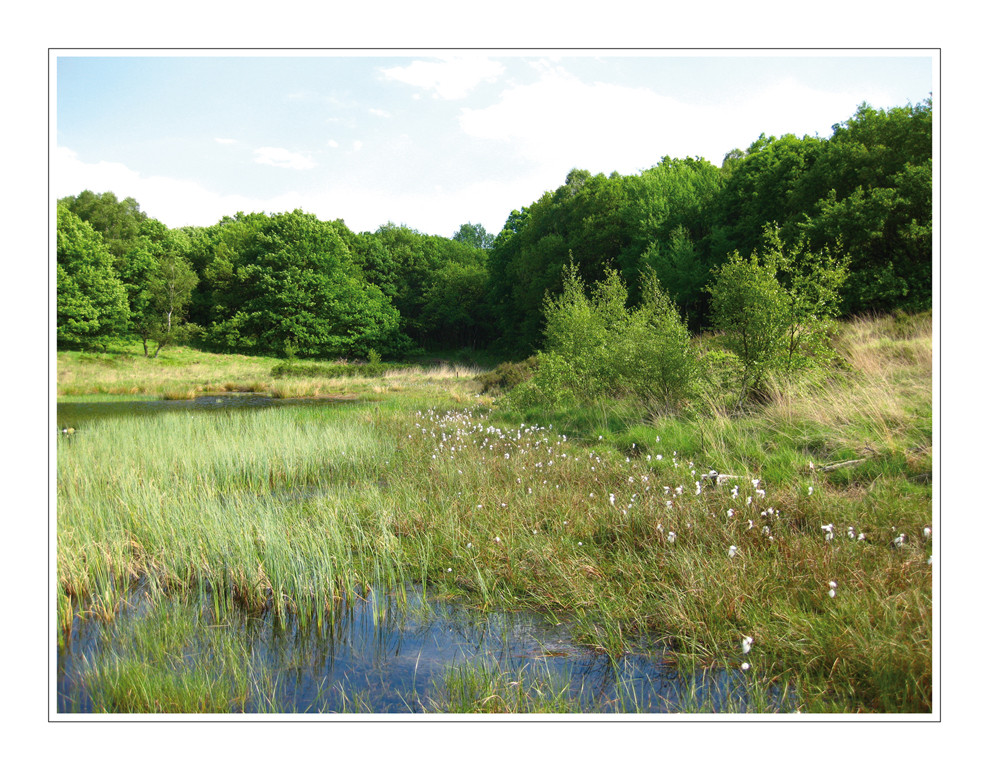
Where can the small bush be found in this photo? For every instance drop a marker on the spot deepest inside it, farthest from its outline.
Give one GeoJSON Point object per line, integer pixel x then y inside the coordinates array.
{"type": "Point", "coordinates": [508, 375]}
{"type": "Point", "coordinates": [597, 347]}
{"type": "Point", "coordinates": [776, 309]}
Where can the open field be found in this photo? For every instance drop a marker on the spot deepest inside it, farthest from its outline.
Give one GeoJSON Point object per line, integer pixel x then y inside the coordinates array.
{"type": "Point", "coordinates": [811, 566]}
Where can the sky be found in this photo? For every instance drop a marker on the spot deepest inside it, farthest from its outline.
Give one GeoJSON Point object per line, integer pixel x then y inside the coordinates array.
{"type": "Point", "coordinates": [431, 139]}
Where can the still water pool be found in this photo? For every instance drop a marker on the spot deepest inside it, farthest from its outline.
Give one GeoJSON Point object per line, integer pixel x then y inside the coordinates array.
{"type": "Point", "coordinates": [73, 414]}
{"type": "Point", "coordinates": [383, 655]}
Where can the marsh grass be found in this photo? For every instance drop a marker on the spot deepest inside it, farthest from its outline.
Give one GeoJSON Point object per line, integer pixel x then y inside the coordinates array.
{"type": "Point", "coordinates": [256, 507]}
{"type": "Point", "coordinates": [166, 659]}
{"type": "Point", "coordinates": [285, 511]}
{"type": "Point", "coordinates": [484, 687]}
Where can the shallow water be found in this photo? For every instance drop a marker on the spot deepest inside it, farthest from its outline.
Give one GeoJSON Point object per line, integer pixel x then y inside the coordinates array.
{"type": "Point", "coordinates": [381, 656]}
{"type": "Point", "coordinates": [72, 414]}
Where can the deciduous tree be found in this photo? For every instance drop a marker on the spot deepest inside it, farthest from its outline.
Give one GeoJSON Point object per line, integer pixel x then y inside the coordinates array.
{"type": "Point", "coordinates": [92, 306]}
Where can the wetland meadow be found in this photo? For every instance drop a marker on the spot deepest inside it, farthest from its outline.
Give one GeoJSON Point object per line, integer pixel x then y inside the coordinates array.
{"type": "Point", "coordinates": [234, 538]}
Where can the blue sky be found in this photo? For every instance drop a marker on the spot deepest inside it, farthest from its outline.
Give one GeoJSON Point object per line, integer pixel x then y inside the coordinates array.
{"type": "Point", "coordinates": [430, 139]}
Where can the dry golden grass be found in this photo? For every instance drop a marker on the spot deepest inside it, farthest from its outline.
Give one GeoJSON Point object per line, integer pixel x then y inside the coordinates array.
{"type": "Point", "coordinates": [183, 373]}
{"type": "Point", "coordinates": [884, 383]}
{"type": "Point", "coordinates": [174, 371]}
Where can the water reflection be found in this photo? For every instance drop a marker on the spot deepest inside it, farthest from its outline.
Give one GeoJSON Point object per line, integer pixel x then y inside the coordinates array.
{"type": "Point", "coordinates": [76, 413]}
{"type": "Point", "coordinates": [381, 655]}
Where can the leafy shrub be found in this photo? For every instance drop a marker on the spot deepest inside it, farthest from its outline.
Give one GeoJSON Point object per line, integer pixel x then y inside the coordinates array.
{"type": "Point", "coordinates": [776, 310]}
{"type": "Point", "coordinates": [597, 347]}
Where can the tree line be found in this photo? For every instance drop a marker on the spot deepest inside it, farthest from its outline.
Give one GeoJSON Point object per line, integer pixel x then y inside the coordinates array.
{"type": "Point", "coordinates": [291, 284]}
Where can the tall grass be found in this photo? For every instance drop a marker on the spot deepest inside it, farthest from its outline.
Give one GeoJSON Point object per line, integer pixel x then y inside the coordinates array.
{"type": "Point", "coordinates": [257, 508]}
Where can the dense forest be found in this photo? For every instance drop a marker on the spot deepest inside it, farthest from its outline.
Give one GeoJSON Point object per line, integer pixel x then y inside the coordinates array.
{"type": "Point", "coordinates": [291, 284]}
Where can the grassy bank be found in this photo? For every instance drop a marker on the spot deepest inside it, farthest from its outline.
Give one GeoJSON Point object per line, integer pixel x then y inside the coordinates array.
{"type": "Point", "coordinates": [823, 569]}
{"type": "Point", "coordinates": [184, 373]}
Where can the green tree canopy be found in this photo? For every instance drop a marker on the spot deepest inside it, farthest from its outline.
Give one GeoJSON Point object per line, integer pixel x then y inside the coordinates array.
{"type": "Point", "coordinates": [474, 235]}
{"type": "Point", "coordinates": [291, 285]}
{"type": "Point", "coordinates": [118, 221]}
{"type": "Point", "coordinates": [874, 193]}
{"type": "Point", "coordinates": [92, 306]}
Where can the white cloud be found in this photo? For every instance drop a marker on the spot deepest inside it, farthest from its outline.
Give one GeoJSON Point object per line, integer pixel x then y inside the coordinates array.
{"type": "Point", "coordinates": [358, 144]}
{"type": "Point", "coordinates": [447, 78]}
{"type": "Point", "coordinates": [379, 113]}
{"type": "Point", "coordinates": [220, 140]}
{"type": "Point", "coordinates": [332, 143]}
{"type": "Point", "coordinates": [440, 212]}
{"type": "Point", "coordinates": [282, 158]}
{"type": "Point", "coordinates": [814, 110]}
{"type": "Point", "coordinates": [176, 202]}
{"type": "Point", "coordinates": [560, 122]}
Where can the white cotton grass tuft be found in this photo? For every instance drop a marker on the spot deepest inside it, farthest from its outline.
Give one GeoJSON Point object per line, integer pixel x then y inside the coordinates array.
{"type": "Point", "coordinates": [732, 551]}
{"type": "Point", "coordinates": [747, 644]}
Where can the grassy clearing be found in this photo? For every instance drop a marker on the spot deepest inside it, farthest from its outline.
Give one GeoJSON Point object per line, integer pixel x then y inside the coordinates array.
{"type": "Point", "coordinates": [184, 373]}
{"type": "Point", "coordinates": [606, 517]}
